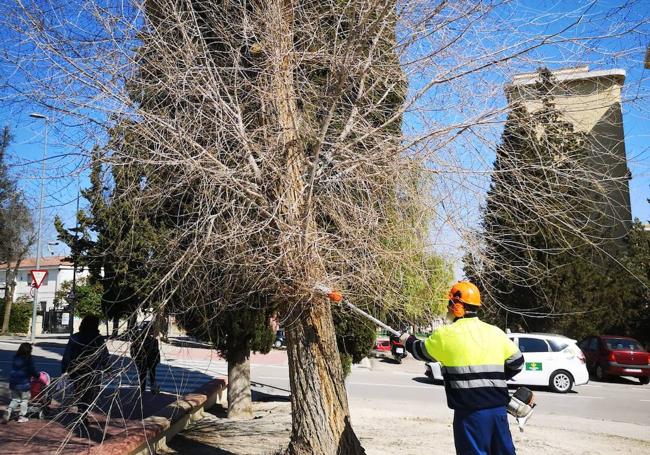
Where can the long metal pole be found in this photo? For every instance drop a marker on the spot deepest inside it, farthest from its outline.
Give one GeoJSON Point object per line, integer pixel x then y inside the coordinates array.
{"type": "Point", "coordinates": [336, 296]}
{"type": "Point", "coordinates": [74, 266]}
{"type": "Point", "coordinates": [373, 319]}
{"type": "Point", "coordinates": [38, 235]}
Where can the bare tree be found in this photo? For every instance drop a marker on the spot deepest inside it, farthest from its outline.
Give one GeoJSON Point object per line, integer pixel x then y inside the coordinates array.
{"type": "Point", "coordinates": [16, 229]}
{"type": "Point", "coordinates": [281, 144]}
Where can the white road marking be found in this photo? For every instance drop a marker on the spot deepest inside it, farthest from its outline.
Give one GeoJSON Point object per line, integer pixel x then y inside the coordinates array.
{"type": "Point", "coordinates": [646, 401]}
{"type": "Point", "coordinates": [400, 386]}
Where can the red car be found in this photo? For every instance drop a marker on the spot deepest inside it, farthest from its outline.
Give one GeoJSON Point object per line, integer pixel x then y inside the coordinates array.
{"type": "Point", "coordinates": [609, 355]}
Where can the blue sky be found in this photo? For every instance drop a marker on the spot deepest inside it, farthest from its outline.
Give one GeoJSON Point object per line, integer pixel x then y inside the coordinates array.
{"type": "Point", "coordinates": [65, 172]}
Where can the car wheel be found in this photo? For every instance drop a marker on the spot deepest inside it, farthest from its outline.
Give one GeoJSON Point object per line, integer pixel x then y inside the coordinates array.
{"type": "Point", "coordinates": [600, 374]}
{"type": "Point", "coordinates": [645, 380]}
{"type": "Point", "coordinates": [561, 381]}
{"type": "Point", "coordinates": [277, 344]}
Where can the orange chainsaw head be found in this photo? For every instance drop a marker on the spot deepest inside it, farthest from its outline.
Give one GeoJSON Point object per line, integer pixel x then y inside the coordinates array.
{"type": "Point", "coordinates": [335, 296]}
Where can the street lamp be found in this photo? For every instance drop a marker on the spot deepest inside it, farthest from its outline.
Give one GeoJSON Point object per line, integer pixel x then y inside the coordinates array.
{"type": "Point", "coordinates": [40, 223]}
{"type": "Point", "coordinates": [72, 301]}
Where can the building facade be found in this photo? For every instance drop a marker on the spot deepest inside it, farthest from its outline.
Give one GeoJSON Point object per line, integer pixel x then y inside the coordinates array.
{"type": "Point", "coordinates": [591, 101]}
{"type": "Point", "coordinates": [59, 270]}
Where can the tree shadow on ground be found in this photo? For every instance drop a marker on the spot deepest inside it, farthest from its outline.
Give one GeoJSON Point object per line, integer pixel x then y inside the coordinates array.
{"type": "Point", "coordinates": [428, 381]}
{"type": "Point", "coordinates": [389, 360]}
{"type": "Point", "coordinates": [198, 448]}
{"type": "Point", "coordinates": [258, 395]}
{"type": "Point", "coordinates": [120, 405]}
{"type": "Point", "coordinates": [616, 380]}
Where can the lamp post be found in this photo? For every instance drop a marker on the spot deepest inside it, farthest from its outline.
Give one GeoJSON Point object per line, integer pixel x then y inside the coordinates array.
{"type": "Point", "coordinates": [40, 224]}
{"type": "Point", "coordinates": [73, 301]}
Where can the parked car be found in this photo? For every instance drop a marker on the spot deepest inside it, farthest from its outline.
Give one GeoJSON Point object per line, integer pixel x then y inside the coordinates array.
{"type": "Point", "coordinates": [609, 355]}
{"type": "Point", "coordinates": [280, 339]}
{"type": "Point", "coordinates": [382, 346]}
{"type": "Point", "coordinates": [550, 360]}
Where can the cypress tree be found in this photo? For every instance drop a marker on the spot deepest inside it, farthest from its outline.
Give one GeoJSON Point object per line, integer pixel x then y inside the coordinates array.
{"type": "Point", "coordinates": [544, 262]}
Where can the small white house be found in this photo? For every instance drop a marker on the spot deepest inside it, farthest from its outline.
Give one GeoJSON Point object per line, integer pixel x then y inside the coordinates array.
{"type": "Point", "coordinates": [59, 270]}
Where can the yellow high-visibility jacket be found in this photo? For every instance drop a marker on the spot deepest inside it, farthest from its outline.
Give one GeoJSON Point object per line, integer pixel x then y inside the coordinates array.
{"type": "Point", "coordinates": [477, 358]}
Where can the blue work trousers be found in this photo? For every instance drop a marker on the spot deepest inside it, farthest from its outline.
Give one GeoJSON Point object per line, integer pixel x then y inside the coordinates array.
{"type": "Point", "coordinates": [483, 432]}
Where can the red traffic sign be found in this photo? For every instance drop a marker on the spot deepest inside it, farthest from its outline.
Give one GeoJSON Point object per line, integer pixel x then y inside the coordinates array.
{"type": "Point", "coordinates": [38, 276]}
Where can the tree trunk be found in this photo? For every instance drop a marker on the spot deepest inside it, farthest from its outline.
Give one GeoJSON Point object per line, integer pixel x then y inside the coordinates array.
{"type": "Point", "coordinates": [239, 385]}
{"type": "Point", "coordinates": [9, 299]}
{"type": "Point", "coordinates": [321, 417]}
{"type": "Point", "coordinates": [116, 325]}
{"type": "Point", "coordinates": [8, 304]}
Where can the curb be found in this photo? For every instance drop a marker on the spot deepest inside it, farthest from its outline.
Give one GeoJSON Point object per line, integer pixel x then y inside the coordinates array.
{"type": "Point", "coordinates": [365, 364]}
{"type": "Point", "coordinates": [165, 424]}
{"type": "Point", "coordinates": [188, 343]}
{"type": "Point", "coordinates": [48, 344]}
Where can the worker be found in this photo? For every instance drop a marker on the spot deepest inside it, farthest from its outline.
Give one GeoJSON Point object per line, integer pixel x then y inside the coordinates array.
{"type": "Point", "coordinates": [476, 358]}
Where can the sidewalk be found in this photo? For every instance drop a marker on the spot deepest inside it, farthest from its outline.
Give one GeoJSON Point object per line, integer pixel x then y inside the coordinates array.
{"type": "Point", "coordinates": [177, 347]}
{"type": "Point", "coordinates": [389, 427]}
{"type": "Point", "coordinates": [122, 422]}
{"type": "Point", "coordinates": [116, 414]}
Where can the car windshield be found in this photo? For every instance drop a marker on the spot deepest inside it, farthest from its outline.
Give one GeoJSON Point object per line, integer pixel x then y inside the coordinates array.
{"type": "Point", "coordinates": [622, 344]}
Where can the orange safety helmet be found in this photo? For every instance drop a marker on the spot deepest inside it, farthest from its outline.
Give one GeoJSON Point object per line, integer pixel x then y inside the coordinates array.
{"type": "Point", "coordinates": [461, 293]}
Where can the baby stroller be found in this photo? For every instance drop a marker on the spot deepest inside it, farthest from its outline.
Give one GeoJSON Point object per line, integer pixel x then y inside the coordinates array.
{"type": "Point", "coordinates": [41, 396]}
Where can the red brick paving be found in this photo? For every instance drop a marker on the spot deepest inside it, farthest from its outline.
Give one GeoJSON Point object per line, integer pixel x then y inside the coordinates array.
{"type": "Point", "coordinates": [121, 419]}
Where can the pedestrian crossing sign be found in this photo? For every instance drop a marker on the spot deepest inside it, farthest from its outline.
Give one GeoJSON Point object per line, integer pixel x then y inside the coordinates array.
{"type": "Point", "coordinates": [533, 366]}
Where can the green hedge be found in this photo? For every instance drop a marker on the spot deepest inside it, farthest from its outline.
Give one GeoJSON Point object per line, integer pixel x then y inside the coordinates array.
{"type": "Point", "coordinates": [21, 315]}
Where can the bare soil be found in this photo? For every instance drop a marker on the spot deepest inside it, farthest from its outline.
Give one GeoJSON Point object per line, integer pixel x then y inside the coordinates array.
{"type": "Point", "coordinates": [383, 430]}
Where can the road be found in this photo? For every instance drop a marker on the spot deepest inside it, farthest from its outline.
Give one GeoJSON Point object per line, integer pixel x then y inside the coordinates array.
{"type": "Point", "coordinates": [621, 401]}
{"type": "Point", "coordinates": [183, 369]}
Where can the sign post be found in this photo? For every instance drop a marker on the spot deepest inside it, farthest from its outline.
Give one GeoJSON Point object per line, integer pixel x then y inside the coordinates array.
{"type": "Point", "coordinates": [38, 276]}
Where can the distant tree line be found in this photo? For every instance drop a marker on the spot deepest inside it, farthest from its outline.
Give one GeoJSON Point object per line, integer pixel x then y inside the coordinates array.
{"type": "Point", "coordinates": [16, 234]}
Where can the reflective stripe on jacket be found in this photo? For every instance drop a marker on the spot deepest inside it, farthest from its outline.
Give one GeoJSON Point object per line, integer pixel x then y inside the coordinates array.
{"type": "Point", "coordinates": [477, 358]}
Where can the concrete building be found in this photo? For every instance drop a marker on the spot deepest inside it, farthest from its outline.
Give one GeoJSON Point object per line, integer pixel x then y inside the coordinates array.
{"type": "Point", "coordinates": [58, 272]}
{"type": "Point", "coordinates": [591, 100]}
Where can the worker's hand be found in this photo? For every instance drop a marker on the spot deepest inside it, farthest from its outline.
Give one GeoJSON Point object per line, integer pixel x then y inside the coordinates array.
{"type": "Point", "coordinates": [403, 337]}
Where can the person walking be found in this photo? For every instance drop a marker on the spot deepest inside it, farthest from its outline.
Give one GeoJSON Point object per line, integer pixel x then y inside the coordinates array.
{"type": "Point", "coordinates": [477, 358]}
{"type": "Point", "coordinates": [84, 359]}
{"type": "Point", "coordinates": [22, 372]}
{"type": "Point", "coordinates": [145, 353]}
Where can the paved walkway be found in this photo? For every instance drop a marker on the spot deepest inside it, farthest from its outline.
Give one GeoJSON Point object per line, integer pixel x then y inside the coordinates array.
{"type": "Point", "coordinates": [184, 369]}
{"type": "Point", "coordinates": [118, 413]}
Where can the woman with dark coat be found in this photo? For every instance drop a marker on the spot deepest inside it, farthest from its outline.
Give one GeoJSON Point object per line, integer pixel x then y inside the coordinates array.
{"type": "Point", "coordinates": [84, 359]}
{"type": "Point", "coordinates": [22, 372]}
